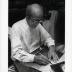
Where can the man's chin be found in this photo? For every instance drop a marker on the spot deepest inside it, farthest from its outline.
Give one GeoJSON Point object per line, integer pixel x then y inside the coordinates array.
{"type": "Point", "coordinates": [33, 27]}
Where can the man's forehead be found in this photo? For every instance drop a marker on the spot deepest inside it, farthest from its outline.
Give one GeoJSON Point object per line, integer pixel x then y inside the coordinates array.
{"type": "Point", "coordinates": [37, 11]}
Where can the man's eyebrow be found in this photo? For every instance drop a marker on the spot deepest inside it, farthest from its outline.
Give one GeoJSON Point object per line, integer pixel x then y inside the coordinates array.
{"type": "Point", "coordinates": [37, 18]}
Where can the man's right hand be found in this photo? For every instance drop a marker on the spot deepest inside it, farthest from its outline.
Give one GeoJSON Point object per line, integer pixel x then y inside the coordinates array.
{"type": "Point", "coordinates": [41, 59]}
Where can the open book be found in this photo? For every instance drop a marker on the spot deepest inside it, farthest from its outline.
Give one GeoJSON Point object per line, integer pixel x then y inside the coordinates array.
{"type": "Point", "coordinates": [47, 68]}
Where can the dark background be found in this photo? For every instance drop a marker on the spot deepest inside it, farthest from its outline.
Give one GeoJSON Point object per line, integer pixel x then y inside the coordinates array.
{"type": "Point", "coordinates": [16, 11]}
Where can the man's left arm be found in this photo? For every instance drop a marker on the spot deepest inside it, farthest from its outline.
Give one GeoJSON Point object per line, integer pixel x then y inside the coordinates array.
{"type": "Point", "coordinates": [49, 42]}
{"type": "Point", "coordinates": [51, 45]}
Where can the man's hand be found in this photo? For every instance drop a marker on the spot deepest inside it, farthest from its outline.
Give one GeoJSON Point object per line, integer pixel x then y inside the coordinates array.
{"type": "Point", "coordinates": [41, 59]}
{"type": "Point", "coordinates": [52, 54]}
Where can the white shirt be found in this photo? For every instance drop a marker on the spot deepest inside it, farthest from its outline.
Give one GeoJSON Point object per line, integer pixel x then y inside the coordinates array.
{"type": "Point", "coordinates": [25, 40]}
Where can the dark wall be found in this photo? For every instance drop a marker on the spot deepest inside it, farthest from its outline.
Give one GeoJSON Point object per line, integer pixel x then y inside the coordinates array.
{"type": "Point", "coordinates": [60, 27]}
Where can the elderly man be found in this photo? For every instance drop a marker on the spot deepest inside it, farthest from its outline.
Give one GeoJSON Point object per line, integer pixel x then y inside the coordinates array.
{"type": "Point", "coordinates": [27, 36]}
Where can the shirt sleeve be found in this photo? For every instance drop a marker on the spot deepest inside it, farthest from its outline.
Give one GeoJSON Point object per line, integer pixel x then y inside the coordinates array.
{"type": "Point", "coordinates": [17, 50]}
{"type": "Point", "coordinates": [46, 37]}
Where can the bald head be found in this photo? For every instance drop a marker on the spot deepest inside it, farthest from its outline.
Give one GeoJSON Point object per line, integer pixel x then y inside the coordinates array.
{"type": "Point", "coordinates": [35, 11]}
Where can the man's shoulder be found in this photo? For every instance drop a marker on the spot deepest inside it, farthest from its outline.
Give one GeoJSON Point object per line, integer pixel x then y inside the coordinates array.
{"type": "Point", "coordinates": [39, 26]}
{"type": "Point", "coordinates": [19, 23]}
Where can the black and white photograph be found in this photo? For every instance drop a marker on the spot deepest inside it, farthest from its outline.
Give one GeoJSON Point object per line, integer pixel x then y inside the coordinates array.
{"type": "Point", "coordinates": [36, 35]}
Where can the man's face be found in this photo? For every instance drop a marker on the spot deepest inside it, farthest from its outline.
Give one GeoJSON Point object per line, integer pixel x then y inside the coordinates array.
{"type": "Point", "coordinates": [36, 15]}
{"type": "Point", "coordinates": [33, 22]}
